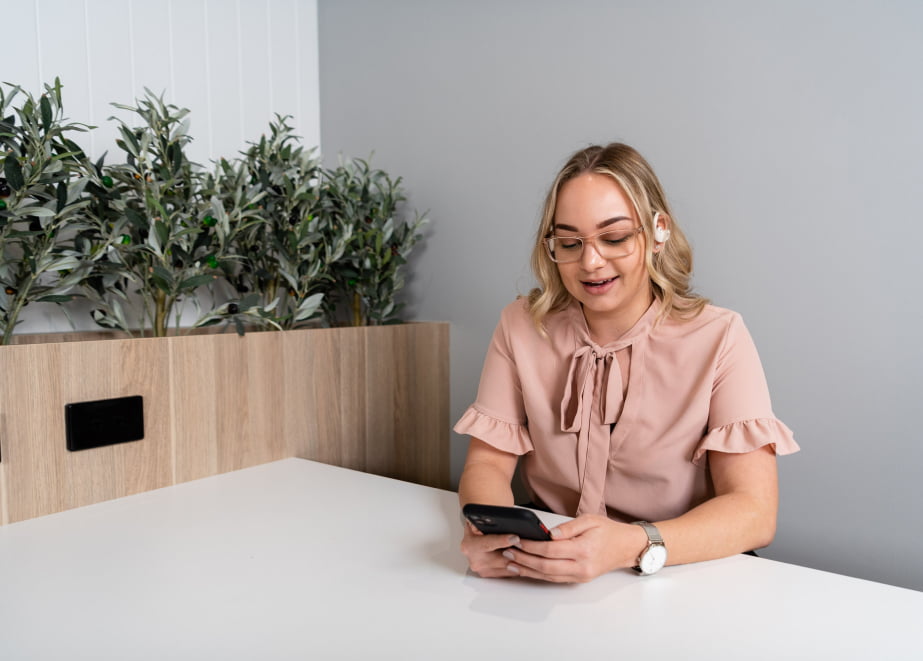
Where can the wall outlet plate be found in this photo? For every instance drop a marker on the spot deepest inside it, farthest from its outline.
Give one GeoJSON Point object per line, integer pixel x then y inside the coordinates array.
{"type": "Point", "coordinates": [104, 422]}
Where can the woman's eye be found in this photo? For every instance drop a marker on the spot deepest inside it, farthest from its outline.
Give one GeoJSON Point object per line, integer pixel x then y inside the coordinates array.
{"type": "Point", "coordinates": [567, 244]}
{"type": "Point", "coordinates": [614, 239]}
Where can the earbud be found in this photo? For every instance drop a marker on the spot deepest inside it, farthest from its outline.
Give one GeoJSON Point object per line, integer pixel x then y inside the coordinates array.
{"type": "Point", "coordinates": [660, 234]}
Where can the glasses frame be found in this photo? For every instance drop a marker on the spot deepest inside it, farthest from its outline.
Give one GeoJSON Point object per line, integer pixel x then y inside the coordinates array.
{"type": "Point", "coordinates": [590, 238]}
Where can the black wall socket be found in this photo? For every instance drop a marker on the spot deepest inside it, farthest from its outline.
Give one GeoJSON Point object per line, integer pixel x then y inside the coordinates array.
{"type": "Point", "coordinates": [104, 422]}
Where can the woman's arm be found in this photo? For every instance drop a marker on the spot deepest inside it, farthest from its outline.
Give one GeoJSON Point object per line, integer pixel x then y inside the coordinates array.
{"type": "Point", "coordinates": [487, 475]}
{"type": "Point", "coordinates": [486, 479]}
{"type": "Point", "coordinates": [740, 517]}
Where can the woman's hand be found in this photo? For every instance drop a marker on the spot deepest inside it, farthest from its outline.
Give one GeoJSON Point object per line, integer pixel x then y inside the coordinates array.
{"type": "Point", "coordinates": [581, 550]}
{"type": "Point", "coordinates": [485, 552]}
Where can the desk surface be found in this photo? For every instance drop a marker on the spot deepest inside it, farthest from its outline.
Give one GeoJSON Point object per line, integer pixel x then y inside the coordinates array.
{"type": "Point", "coordinates": [297, 559]}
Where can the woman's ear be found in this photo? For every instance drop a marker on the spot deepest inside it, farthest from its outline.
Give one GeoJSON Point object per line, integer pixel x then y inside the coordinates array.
{"type": "Point", "coordinates": [661, 225]}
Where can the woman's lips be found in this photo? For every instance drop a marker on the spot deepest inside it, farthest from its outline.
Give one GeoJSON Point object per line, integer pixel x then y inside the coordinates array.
{"type": "Point", "coordinates": [598, 286]}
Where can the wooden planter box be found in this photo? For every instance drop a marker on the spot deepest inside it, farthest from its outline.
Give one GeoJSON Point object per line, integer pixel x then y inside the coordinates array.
{"type": "Point", "coordinates": [371, 398]}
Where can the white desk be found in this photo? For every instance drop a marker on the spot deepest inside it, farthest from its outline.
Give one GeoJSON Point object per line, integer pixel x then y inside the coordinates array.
{"type": "Point", "coordinates": [300, 560]}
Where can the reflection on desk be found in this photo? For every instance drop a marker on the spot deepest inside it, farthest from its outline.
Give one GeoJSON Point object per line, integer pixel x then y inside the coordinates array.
{"type": "Point", "coordinates": [297, 559]}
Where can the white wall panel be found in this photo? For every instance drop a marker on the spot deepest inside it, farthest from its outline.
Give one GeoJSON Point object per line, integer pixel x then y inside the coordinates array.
{"type": "Point", "coordinates": [307, 73]}
{"type": "Point", "coordinates": [109, 72]}
{"type": "Point", "coordinates": [24, 42]}
{"type": "Point", "coordinates": [283, 53]}
{"type": "Point", "coordinates": [223, 56]}
{"type": "Point", "coordinates": [151, 54]}
{"type": "Point", "coordinates": [62, 34]}
{"type": "Point", "coordinates": [190, 32]}
{"type": "Point", "coordinates": [255, 69]}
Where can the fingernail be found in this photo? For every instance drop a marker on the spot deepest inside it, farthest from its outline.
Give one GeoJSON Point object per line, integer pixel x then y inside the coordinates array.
{"type": "Point", "coordinates": [555, 532]}
{"type": "Point", "coordinates": [509, 555]}
{"type": "Point", "coordinates": [513, 540]}
{"type": "Point", "coordinates": [512, 569]}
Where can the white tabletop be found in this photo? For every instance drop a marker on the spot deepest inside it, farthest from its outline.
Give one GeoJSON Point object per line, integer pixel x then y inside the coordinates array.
{"type": "Point", "coordinates": [297, 559]}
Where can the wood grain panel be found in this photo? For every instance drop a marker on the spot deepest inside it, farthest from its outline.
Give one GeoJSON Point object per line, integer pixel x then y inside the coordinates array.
{"type": "Point", "coordinates": [408, 403]}
{"type": "Point", "coordinates": [335, 367]}
{"type": "Point", "coordinates": [373, 398]}
{"type": "Point", "coordinates": [41, 475]}
{"type": "Point", "coordinates": [227, 394]}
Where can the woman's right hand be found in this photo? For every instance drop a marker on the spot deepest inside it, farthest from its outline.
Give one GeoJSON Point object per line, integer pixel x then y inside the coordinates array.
{"type": "Point", "coordinates": [485, 552]}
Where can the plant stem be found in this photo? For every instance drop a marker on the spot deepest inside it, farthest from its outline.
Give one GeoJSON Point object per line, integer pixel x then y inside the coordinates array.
{"type": "Point", "coordinates": [160, 314]}
{"type": "Point", "coordinates": [19, 302]}
{"type": "Point", "coordinates": [357, 309]}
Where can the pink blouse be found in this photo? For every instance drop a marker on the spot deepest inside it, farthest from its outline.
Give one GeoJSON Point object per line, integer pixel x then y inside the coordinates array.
{"type": "Point", "coordinates": [592, 444]}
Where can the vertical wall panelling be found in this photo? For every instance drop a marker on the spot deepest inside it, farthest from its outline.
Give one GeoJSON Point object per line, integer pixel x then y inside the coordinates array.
{"type": "Point", "coordinates": [284, 63]}
{"type": "Point", "coordinates": [150, 34]}
{"type": "Point", "coordinates": [190, 90]}
{"type": "Point", "coordinates": [109, 43]}
{"type": "Point", "coordinates": [255, 70]}
{"type": "Point", "coordinates": [307, 73]}
{"type": "Point", "coordinates": [24, 42]}
{"type": "Point", "coordinates": [62, 30]}
{"type": "Point", "coordinates": [223, 46]}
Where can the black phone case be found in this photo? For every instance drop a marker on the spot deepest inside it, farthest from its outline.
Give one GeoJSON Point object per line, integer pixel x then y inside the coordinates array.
{"type": "Point", "coordinates": [499, 520]}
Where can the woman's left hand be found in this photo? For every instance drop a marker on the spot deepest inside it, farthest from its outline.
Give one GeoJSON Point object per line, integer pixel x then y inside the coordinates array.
{"type": "Point", "coordinates": [581, 550]}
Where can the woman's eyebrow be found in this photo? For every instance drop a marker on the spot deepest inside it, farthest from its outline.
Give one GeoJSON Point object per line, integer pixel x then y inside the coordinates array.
{"type": "Point", "coordinates": [605, 223]}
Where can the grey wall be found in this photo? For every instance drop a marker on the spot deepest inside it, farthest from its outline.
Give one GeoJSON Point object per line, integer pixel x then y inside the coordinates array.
{"type": "Point", "coordinates": [788, 136]}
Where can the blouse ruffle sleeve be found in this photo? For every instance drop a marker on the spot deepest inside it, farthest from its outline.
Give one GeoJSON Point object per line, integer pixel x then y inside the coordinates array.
{"type": "Point", "coordinates": [507, 436]}
{"type": "Point", "coordinates": [740, 417]}
{"type": "Point", "coordinates": [746, 436]}
{"type": "Point", "coordinates": [498, 416]}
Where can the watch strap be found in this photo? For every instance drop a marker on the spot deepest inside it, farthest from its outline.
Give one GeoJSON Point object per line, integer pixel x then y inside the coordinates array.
{"type": "Point", "coordinates": [653, 535]}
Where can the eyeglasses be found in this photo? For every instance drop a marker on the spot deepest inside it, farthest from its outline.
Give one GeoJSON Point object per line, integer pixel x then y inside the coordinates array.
{"type": "Point", "coordinates": [610, 244]}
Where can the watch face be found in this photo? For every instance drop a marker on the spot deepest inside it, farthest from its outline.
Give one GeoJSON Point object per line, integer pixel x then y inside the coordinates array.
{"type": "Point", "coordinates": [653, 559]}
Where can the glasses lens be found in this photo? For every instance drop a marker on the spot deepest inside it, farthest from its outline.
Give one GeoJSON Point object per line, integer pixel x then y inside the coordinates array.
{"type": "Point", "coordinates": [564, 249]}
{"type": "Point", "coordinates": [614, 244]}
{"type": "Point", "coordinates": [609, 245]}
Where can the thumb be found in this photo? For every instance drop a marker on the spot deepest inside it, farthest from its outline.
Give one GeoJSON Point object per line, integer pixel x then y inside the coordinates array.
{"type": "Point", "coordinates": [573, 528]}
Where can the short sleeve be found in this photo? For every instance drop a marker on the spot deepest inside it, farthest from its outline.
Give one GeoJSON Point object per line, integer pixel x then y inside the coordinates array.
{"type": "Point", "coordinates": [746, 436]}
{"type": "Point", "coordinates": [740, 414]}
{"type": "Point", "coordinates": [498, 415]}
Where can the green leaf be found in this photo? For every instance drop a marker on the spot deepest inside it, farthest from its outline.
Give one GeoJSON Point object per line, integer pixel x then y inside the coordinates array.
{"type": "Point", "coordinates": [55, 298]}
{"type": "Point", "coordinates": [162, 278]}
{"type": "Point", "coordinates": [40, 212]}
{"type": "Point", "coordinates": [163, 233]}
{"type": "Point", "coordinates": [62, 196]}
{"type": "Point", "coordinates": [46, 112]}
{"type": "Point", "coordinates": [196, 281]}
{"type": "Point", "coordinates": [13, 171]}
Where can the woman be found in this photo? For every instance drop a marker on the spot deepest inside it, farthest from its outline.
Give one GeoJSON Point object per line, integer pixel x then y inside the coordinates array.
{"type": "Point", "coordinates": [633, 404]}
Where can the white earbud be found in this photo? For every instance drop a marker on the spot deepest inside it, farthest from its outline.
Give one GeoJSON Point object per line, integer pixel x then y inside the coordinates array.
{"type": "Point", "coordinates": [660, 234]}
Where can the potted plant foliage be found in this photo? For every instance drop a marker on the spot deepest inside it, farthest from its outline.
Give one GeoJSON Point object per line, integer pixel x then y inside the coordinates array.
{"type": "Point", "coordinates": [43, 200]}
{"type": "Point", "coordinates": [285, 258]}
{"type": "Point", "coordinates": [170, 233]}
{"type": "Point", "coordinates": [367, 277]}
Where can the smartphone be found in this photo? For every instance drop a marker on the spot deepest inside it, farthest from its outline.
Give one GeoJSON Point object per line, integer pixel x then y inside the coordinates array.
{"type": "Point", "coordinates": [499, 520]}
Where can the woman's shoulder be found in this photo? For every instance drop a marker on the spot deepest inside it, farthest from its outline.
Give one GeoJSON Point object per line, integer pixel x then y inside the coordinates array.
{"type": "Point", "coordinates": [711, 319]}
{"type": "Point", "coordinates": [516, 319]}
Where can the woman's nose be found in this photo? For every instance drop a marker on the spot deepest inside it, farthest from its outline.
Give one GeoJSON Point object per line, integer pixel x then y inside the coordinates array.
{"type": "Point", "coordinates": [591, 259]}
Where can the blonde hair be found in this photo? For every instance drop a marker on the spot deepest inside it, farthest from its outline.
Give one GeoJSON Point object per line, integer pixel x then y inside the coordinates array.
{"type": "Point", "coordinates": [670, 269]}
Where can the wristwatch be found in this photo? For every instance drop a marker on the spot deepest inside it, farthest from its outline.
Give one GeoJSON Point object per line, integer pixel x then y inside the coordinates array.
{"type": "Point", "coordinates": [654, 557]}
